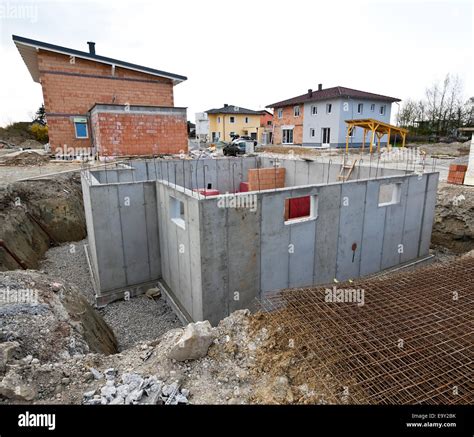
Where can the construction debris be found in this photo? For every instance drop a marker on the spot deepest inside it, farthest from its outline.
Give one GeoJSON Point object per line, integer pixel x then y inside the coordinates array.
{"type": "Point", "coordinates": [194, 343]}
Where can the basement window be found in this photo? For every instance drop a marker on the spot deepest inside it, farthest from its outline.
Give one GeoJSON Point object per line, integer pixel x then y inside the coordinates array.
{"type": "Point", "coordinates": [177, 212]}
{"type": "Point", "coordinates": [80, 128]}
{"type": "Point", "coordinates": [300, 209]}
{"type": "Point", "coordinates": [389, 194]}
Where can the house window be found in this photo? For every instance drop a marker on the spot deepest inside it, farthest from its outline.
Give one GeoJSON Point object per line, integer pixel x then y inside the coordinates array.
{"type": "Point", "coordinates": [314, 110]}
{"type": "Point", "coordinates": [372, 107]}
{"type": "Point", "coordinates": [246, 120]}
{"type": "Point", "coordinates": [312, 133]}
{"type": "Point", "coordinates": [269, 123]}
{"type": "Point", "coordinates": [299, 209]}
{"type": "Point", "coordinates": [218, 119]}
{"type": "Point", "coordinates": [232, 119]}
{"type": "Point", "coordinates": [80, 127]}
{"type": "Point", "coordinates": [280, 113]}
{"type": "Point", "coordinates": [177, 214]}
{"type": "Point", "coordinates": [389, 194]}
{"type": "Point", "coordinates": [287, 136]}
{"type": "Point", "coordinates": [232, 134]}
{"type": "Point", "coordinates": [360, 108]}
{"type": "Point", "coordinates": [328, 108]}
{"type": "Point", "coordinates": [382, 110]}
{"type": "Point", "coordinates": [296, 111]}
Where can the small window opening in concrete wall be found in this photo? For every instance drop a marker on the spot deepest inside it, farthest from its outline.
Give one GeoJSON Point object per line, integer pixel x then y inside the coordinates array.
{"type": "Point", "coordinates": [389, 194]}
{"type": "Point", "coordinates": [177, 212]}
{"type": "Point", "coordinates": [298, 209]}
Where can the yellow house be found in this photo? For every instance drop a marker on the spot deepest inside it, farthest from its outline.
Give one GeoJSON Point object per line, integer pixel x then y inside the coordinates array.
{"type": "Point", "coordinates": [228, 121]}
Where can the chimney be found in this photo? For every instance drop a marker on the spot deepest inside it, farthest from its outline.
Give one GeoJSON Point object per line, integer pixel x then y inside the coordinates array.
{"type": "Point", "coordinates": [91, 47]}
{"type": "Point", "coordinates": [310, 92]}
{"type": "Point", "coordinates": [320, 86]}
{"type": "Point", "coordinates": [225, 105]}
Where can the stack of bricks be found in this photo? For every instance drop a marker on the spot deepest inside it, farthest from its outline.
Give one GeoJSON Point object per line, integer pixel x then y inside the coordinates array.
{"type": "Point", "coordinates": [457, 173]}
{"type": "Point", "coordinates": [266, 178]}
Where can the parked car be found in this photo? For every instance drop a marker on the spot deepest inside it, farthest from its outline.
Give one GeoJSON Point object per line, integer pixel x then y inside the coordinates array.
{"type": "Point", "coordinates": [235, 148]}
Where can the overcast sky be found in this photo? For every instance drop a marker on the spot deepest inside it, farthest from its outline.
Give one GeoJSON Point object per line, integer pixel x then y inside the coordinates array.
{"type": "Point", "coordinates": [249, 53]}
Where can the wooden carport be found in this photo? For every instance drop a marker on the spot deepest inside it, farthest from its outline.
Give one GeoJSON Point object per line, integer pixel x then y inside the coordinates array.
{"type": "Point", "coordinates": [377, 129]}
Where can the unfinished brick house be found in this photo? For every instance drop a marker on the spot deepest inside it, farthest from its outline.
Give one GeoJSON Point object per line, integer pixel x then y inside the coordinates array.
{"type": "Point", "coordinates": [102, 105]}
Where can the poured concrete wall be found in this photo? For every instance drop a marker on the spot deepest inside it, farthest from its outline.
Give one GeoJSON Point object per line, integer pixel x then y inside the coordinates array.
{"type": "Point", "coordinates": [223, 257]}
{"type": "Point", "coordinates": [253, 252]}
{"type": "Point", "coordinates": [180, 247]}
{"type": "Point", "coordinates": [122, 227]}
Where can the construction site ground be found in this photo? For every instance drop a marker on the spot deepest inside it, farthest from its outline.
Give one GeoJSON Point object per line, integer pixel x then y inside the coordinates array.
{"type": "Point", "coordinates": [278, 354]}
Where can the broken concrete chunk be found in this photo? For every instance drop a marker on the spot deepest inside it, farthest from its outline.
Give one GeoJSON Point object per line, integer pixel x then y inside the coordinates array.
{"type": "Point", "coordinates": [168, 389]}
{"type": "Point", "coordinates": [153, 293]}
{"type": "Point", "coordinates": [134, 397]}
{"type": "Point", "coordinates": [14, 387]}
{"type": "Point", "coordinates": [119, 400]}
{"type": "Point", "coordinates": [194, 343]}
{"type": "Point", "coordinates": [108, 391]}
{"type": "Point", "coordinates": [180, 399]}
{"type": "Point", "coordinates": [89, 394]}
{"type": "Point", "coordinates": [96, 373]}
{"type": "Point", "coordinates": [7, 351]}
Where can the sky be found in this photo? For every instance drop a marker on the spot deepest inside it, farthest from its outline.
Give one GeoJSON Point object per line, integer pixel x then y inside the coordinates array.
{"type": "Point", "coordinates": [249, 53]}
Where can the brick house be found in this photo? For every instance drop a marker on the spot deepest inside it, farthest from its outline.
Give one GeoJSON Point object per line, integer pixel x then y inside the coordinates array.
{"type": "Point", "coordinates": [317, 118]}
{"type": "Point", "coordinates": [101, 105]}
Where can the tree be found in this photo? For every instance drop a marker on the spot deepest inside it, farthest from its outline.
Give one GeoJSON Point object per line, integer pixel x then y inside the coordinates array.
{"type": "Point", "coordinates": [40, 116]}
{"type": "Point", "coordinates": [443, 109]}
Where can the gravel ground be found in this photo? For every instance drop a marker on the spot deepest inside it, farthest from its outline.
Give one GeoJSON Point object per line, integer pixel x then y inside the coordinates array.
{"type": "Point", "coordinates": [139, 319]}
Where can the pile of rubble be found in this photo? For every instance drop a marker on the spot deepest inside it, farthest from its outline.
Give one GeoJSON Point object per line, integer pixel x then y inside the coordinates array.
{"type": "Point", "coordinates": [132, 388]}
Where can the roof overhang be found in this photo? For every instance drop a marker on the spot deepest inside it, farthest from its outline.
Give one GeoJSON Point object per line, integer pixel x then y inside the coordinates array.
{"type": "Point", "coordinates": [29, 49]}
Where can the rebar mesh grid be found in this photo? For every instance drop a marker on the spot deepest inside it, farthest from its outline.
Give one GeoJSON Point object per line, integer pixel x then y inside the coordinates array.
{"type": "Point", "coordinates": [410, 342]}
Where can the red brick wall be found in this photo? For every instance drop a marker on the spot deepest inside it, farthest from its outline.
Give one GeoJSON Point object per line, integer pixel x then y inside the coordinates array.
{"type": "Point", "coordinates": [71, 93]}
{"type": "Point", "coordinates": [139, 134]}
{"type": "Point", "coordinates": [266, 178]}
{"type": "Point", "coordinates": [288, 119]}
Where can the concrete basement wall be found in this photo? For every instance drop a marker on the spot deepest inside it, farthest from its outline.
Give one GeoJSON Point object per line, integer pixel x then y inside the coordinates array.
{"type": "Point", "coordinates": [256, 252]}
{"type": "Point", "coordinates": [122, 227]}
{"type": "Point", "coordinates": [223, 257]}
{"type": "Point", "coordinates": [180, 249]}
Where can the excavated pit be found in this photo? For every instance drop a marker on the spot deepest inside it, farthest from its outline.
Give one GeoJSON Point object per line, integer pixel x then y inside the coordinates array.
{"type": "Point", "coordinates": [35, 215]}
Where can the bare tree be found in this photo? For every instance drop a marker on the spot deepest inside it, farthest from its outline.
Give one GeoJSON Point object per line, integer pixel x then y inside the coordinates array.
{"type": "Point", "coordinates": [442, 111]}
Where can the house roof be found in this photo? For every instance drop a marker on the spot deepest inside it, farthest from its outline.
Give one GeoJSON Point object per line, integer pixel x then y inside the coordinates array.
{"type": "Point", "coordinates": [231, 109]}
{"type": "Point", "coordinates": [333, 93]}
{"type": "Point", "coordinates": [28, 49]}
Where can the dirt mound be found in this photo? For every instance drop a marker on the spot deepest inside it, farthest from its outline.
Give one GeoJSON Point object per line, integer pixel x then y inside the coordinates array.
{"type": "Point", "coordinates": [25, 158]}
{"type": "Point", "coordinates": [31, 144]}
{"type": "Point", "coordinates": [37, 214]}
{"type": "Point", "coordinates": [453, 227]}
